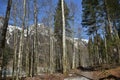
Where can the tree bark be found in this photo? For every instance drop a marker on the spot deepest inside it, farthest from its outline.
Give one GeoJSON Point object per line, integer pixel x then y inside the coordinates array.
{"type": "Point", "coordinates": [3, 33]}
{"type": "Point", "coordinates": [64, 57]}
{"type": "Point", "coordinates": [19, 65]}
{"type": "Point", "coordinates": [51, 54]}
{"type": "Point", "coordinates": [35, 58]}
{"type": "Point", "coordinates": [15, 46]}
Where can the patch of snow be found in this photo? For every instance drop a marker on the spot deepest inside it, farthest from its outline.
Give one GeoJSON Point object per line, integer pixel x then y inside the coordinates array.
{"type": "Point", "coordinates": [86, 40]}
{"type": "Point", "coordinates": [76, 78]}
{"type": "Point", "coordinates": [8, 41]}
{"type": "Point", "coordinates": [75, 38]}
{"type": "Point", "coordinates": [11, 28]}
{"type": "Point", "coordinates": [25, 32]}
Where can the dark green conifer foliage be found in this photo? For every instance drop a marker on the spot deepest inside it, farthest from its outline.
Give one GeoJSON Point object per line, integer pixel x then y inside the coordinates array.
{"type": "Point", "coordinates": [102, 15]}
{"type": "Point", "coordinates": [58, 21]}
{"type": "Point", "coordinates": [58, 31]}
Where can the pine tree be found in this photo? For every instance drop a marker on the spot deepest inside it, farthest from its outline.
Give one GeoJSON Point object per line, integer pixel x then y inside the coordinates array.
{"type": "Point", "coordinates": [58, 20]}
{"type": "Point", "coordinates": [58, 30]}
{"type": "Point", "coordinates": [102, 15]}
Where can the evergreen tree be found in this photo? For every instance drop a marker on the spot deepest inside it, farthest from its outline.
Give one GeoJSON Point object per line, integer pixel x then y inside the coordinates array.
{"type": "Point", "coordinates": [58, 31]}
{"type": "Point", "coordinates": [58, 21]}
{"type": "Point", "coordinates": [89, 15]}
{"type": "Point", "coordinates": [102, 15]}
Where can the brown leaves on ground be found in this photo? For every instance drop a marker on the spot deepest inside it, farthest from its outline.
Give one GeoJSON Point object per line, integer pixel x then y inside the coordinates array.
{"type": "Point", "coordinates": [100, 74]}
{"type": "Point", "coordinates": [47, 77]}
{"type": "Point", "coordinates": [111, 74]}
{"type": "Point", "coordinates": [115, 72]}
{"type": "Point", "coordinates": [96, 75]}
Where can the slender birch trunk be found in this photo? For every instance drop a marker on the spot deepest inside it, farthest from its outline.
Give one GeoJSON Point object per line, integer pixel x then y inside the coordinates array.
{"type": "Point", "coordinates": [51, 54]}
{"type": "Point", "coordinates": [73, 59]}
{"type": "Point", "coordinates": [19, 65]}
{"type": "Point", "coordinates": [64, 57]}
{"type": "Point", "coordinates": [15, 46]}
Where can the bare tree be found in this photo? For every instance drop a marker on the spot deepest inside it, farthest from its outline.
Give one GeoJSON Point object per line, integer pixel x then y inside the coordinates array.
{"type": "Point", "coordinates": [48, 21]}
{"type": "Point", "coordinates": [35, 55]}
{"type": "Point", "coordinates": [73, 9]}
{"type": "Point", "coordinates": [15, 42]}
{"type": "Point", "coordinates": [19, 62]}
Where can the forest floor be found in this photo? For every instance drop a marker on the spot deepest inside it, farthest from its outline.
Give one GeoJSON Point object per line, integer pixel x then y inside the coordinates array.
{"type": "Point", "coordinates": [79, 74]}
{"type": "Point", "coordinates": [111, 74]}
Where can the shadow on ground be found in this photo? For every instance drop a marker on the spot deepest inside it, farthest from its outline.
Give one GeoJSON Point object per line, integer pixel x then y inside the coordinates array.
{"type": "Point", "coordinates": [110, 77]}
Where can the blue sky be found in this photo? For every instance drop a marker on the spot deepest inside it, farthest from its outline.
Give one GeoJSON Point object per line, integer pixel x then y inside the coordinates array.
{"type": "Point", "coordinates": [78, 19]}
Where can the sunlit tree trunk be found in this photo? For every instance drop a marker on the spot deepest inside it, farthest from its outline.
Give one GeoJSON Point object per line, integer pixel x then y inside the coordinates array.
{"type": "Point", "coordinates": [51, 53]}
{"type": "Point", "coordinates": [15, 46]}
{"type": "Point", "coordinates": [74, 53]}
{"type": "Point", "coordinates": [19, 62]}
{"type": "Point", "coordinates": [32, 60]}
{"type": "Point", "coordinates": [64, 57]}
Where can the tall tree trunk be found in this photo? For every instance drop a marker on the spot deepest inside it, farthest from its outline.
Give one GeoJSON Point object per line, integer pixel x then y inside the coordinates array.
{"type": "Point", "coordinates": [27, 55]}
{"type": "Point", "coordinates": [3, 33]}
{"type": "Point", "coordinates": [27, 44]}
{"type": "Point", "coordinates": [64, 56]}
{"type": "Point", "coordinates": [73, 59]}
{"type": "Point", "coordinates": [35, 58]}
{"type": "Point", "coordinates": [51, 54]}
{"type": "Point", "coordinates": [19, 65]}
{"type": "Point", "coordinates": [15, 46]}
{"type": "Point", "coordinates": [32, 59]}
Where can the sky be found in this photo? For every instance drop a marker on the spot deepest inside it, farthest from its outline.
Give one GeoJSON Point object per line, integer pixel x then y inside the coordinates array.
{"type": "Point", "coordinates": [3, 4]}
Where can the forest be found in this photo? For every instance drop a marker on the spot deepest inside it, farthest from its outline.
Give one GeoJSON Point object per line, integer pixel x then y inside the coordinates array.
{"type": "Point", "coordinates": [59, 40]}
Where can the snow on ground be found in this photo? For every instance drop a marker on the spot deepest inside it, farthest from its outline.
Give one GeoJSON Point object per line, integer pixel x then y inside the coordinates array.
{"type": "Point", "coordinates": [76, 78]}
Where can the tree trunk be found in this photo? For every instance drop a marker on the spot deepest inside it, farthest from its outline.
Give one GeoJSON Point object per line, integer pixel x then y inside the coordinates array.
{"type": "Point", "coordinates": [15, 46]}
{"type": "Point", "coordinates": [19, 65]}
{"type": "Point", "coordinates": [73, 61]}
{"type": "Point", "coordinates": [27, 55]}
{"type": "Point", "coordinates": [51, 54]}
{"type": "Point", "coordinates": [64, 56]}
{"type": "Point", "coordinates": [35, 58]}
{"type": "Point", "coordinates": [27, 58]}
{"type": "Point", "coordinates": [3, 33]}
